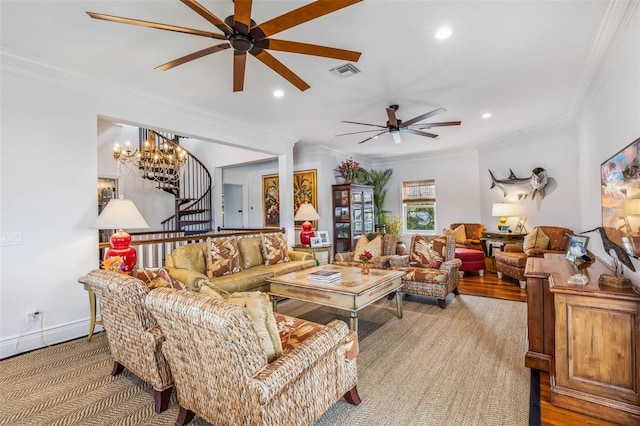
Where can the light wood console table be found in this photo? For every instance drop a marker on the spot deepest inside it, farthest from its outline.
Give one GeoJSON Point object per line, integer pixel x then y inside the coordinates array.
{"type": "Point", "coordinates": [593, 348]}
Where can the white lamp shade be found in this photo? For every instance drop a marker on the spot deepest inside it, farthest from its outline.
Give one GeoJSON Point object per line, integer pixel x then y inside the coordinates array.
{"type": "Point", "coordinates": [306, 212]}
{"type": "Point", "coordinates": [503, 210]}
{"type": "Point", "coordinates": [121, 214]}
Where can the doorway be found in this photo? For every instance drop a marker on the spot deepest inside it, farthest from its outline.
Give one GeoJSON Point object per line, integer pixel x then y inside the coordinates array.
{"type": "Point", "coordinates": [232, 213]}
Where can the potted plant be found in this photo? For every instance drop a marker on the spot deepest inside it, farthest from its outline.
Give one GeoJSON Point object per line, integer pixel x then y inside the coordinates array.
{"type": "Point", "coordinates": [379, 179]}
{"type": "Point", "coordinates": [394, 226]}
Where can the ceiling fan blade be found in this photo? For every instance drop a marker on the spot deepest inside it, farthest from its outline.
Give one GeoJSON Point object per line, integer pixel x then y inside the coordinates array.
{"type": "Point", "coordinates": [396, 137]}
{"type": "Point", "coordinates": [204, 12]}
{"type": "Point", "coordinates": [308, 49]}
{"type": "Point", "coordinates": [192, 56]}
{"type": "Point", "coordinates": [156, 25]}
{"type": "Point", "coordinates": [418, 132]}
{"type": "Point", "coordinates": [365, 124]}
{"type": "Point", "coordinates": [373, 137]}
{"type": "Point", "coordinates": [267, 59]}
{"type": "Point", "coordinates": [242, 15]}
{"type": "Point", "coordinates": [355, 133]}
{"type": "Point", "coordinates": [239, 65]}
{"type": "Point", "coordinates": [298, 16]}
{"type": "Point", "coordinates": [393, 121]}
{"type": "Point", "coordinates": [424, 116]}
{"type": "Point", "coordinates": [441, 124]}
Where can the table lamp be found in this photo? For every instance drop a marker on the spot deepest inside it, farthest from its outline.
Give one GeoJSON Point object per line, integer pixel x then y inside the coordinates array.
{"type": "Point", "coordinates": [118, 214]}
{"type": "Point", "coordinates": [306, 212]}
{"type": "Point", "coordinates": [503, 210]}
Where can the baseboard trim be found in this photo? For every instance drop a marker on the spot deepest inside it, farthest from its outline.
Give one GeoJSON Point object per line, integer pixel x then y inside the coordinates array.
{"type": "Point", "coordinates": [41, 338]}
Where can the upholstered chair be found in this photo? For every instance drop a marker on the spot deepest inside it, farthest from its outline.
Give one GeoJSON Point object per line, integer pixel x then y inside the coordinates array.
{"type": "Point", "coordinates": [386, 247]}
{"type": "Point", "coordinates": [222, 373]}
{"type": "Point", "coordinates": [512, 260]}
{"type": "Point", "coordinates": [472, 235]}
{"type": "Point", "coordinates": [135, 340]}
{"type": "Point", "coordinates": [423, 280]}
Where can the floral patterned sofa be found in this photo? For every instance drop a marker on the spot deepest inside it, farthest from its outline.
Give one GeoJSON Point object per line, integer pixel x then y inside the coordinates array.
{"type": "Point", "coordinates": [431, 268]}
{"type": "Point", "coordinates": [235, 263]}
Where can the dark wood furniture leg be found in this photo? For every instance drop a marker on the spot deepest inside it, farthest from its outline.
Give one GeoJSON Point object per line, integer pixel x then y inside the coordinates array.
{"type": "Point", "coordinates": [441, 303]}
{"type": "Point", "coordinates": [117, 368]}
{"type": "Point", "coordinates": [184, 416]}
{"type": "Point", "coordinates": [352, 396]}
{"type": "Point", "coordinates": [162, 399]}
{"type": "Point", "coordinates": [456, 292]}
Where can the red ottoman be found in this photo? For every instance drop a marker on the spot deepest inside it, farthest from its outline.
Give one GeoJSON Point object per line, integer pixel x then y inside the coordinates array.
{"type": "Point", "coordinates": [472, 260]}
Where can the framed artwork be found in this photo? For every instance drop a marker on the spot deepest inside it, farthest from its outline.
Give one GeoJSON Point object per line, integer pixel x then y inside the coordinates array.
{"type": "Point", "coordinates": [504, 229]}
{"type": "Point", "coordinates": [324, 236]}
{"type": "Point", "coordinates": [577, 247]}
{"type": "Point", "coordinates": [520, 229]}
{"type": "Point", "coordinates": [419, 217]}
{"type": "Point", "coordinates": [316, 241]}
{"type": "Point", "coordinates": [620, 192]}
{"type": "Point", "coordinates": [304, 191]}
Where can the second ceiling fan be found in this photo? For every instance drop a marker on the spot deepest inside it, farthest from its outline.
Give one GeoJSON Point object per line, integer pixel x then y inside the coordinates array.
{"type": "Point", "coordinates": [395, 125]}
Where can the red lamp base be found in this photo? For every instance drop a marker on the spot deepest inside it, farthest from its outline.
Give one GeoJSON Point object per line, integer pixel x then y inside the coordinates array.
{"type": "Point", "coordinates": [120, 247]}
{"type": "Point", "coordinates": [306, 233]}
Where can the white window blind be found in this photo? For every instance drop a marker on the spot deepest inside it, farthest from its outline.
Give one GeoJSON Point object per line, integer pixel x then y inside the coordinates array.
{"type": "Point", "coordinates": [419, 191]}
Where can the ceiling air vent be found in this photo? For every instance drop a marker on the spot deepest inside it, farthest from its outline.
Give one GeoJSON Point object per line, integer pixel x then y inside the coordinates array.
{"type": "Point", "coordinates": [346, 70]}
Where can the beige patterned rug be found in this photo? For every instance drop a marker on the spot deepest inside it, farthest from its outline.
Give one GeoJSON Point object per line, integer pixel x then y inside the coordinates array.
{"type": "Point", "coordinates": [460, 366]}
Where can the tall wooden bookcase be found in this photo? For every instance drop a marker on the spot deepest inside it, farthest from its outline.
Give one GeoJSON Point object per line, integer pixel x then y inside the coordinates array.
{"type": "Point", "coordinates": [353, 215]}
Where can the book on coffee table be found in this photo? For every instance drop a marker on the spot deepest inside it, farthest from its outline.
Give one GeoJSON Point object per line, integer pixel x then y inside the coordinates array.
{"type": "Point", "coordinates": [325, 276]}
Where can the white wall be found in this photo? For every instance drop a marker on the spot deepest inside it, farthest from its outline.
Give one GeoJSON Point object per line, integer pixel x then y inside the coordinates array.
{"type": "Point", "coordinates": [609, 121]}
{"type": "Point", "coordinates": [49, 166]}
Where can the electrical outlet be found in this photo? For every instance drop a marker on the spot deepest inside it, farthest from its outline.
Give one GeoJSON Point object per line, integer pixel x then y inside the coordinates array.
{"type": "Point", "coordinates": [33, 314]}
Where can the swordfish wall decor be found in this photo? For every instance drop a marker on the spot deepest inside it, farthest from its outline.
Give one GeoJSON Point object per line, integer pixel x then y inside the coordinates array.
{"type": "Point", "coordinates": [522, 187]}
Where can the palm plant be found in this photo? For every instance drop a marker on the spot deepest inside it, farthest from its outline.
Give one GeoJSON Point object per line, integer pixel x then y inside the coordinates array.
{"type": "Point", "coordinates": [379, 179]}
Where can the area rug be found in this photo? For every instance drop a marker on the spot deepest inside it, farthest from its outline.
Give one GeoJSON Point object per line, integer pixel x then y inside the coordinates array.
{"type": "Point", "coordinates": [459, 366]}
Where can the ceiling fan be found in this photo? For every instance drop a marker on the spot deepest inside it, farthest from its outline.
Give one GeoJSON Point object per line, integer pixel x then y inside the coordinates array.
{"type": "Point", "coordinates": [241, 33]}
{"type": "Point", "coordinates": [395, 125]}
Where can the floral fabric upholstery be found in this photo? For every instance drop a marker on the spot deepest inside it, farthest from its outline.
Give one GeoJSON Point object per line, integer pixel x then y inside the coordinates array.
{"type": "Point", "coordinates": [389, 242]}
{"type": "Point", "coordinates": [224, 257]}
{"type": "Point", "coordinates": [431, 282]}
{"type": "Point", "coordinates": [424, 253]}
{"type": "Point", "coordinates": [274, 249]}
{"type": "Point", "coordinates": [222, 373]}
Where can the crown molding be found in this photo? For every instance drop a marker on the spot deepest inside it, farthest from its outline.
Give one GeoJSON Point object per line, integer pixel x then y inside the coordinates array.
{"type": "Point", "coordinates": [612, 26]}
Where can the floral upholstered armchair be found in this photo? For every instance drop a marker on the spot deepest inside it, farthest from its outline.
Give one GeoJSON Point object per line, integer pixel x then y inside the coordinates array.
{"type": "Point", "coordinates": [467, 235]}
{"type": "Point", "coordinates": [431, 268]}
{"type": "Point", "coordinates": [222, 371]}
{"type": "Point", "coordinates": [382, 246]}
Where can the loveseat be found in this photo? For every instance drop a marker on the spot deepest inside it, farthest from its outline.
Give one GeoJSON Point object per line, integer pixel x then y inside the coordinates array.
{"type": "Point", "coordinates": [380, 245]}
{"type": "Point", "coordinates": [542, 239]}
{"type": "Point", "coordinates": [235, 263]}
{"type": "Point", "coordinates": [467, 235]}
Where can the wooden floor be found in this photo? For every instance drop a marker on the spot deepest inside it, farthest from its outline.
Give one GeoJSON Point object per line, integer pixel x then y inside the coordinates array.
{"type": "Point", "coordinates": [491, 286]}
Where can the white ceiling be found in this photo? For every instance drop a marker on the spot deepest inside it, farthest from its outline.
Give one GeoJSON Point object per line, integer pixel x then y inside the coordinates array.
{"type": "Point", "coordinates": [526, 62]}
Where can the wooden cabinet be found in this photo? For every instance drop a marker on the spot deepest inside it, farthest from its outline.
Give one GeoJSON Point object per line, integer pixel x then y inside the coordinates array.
{"type": "Point", "coordinates": [595, 364]}
{"type": "Point", "coordinates": [540, 316]}
{"type": "Point", "coordinates": [353, 215]}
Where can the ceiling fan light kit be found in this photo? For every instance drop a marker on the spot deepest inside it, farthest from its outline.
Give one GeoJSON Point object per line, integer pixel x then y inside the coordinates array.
{"type": "Point", "coordinates": [243, 35]}
{"type": "Point", "coordinates": [395, 126]}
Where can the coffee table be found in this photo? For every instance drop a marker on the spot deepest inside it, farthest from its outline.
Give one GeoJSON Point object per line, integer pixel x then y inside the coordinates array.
{"type": "Point", "coordinates": [354, 292]}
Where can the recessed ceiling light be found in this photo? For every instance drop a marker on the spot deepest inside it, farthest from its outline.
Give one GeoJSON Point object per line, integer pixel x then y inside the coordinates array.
{"type": "Point", "coordinates": [278, 93]}
{"type": "Point", "coordinates": [444, 32]}
{"type": "Point", "coordinates": [486, 115]}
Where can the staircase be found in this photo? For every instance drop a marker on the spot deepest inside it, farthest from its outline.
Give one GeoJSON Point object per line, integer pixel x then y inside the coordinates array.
{"type": "Point", "coordinates": [191, 189]}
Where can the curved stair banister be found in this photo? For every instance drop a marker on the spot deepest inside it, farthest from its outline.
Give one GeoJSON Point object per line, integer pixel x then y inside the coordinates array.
{"type": "Point", "coordinates": [192, 192]}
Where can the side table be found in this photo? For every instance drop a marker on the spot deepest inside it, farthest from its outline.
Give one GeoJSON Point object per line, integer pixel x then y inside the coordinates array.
{"type": "Point", "coordinates": [315, 250]}
{"type": "Point", "coordinates": [502, 237]}
{"type": "Point", "coordinates": [92, 308]}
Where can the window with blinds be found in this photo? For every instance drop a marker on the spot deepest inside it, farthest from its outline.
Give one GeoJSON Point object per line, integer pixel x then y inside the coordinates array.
{"type": "Point", "coordinates": [419, 206]}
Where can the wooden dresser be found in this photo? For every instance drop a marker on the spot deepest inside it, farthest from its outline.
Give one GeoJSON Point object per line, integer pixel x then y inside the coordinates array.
{"type": "Point", "coordinates": [594, 354]}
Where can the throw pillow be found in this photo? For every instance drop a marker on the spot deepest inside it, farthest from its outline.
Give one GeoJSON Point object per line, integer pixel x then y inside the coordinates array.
{"type": "Point", "coordinates": [274, 249]}
{"type": "Point", "coordinates": [459, 233]}
{"type": "Point", "coordinates": [250, 251]}
{"type": "Point", "coordinates": [440, 246]}
{"type": "Point", "coordinates": [163, 279]}
{"type": "Point", "coordinates": [191, 256]}
{"type": "Point", "coordinates": [374, 247]}
{"type": "Point", "coordinates": [535, 239]}
{"type": "Point", "coordinates": [423, 253]}
{"type": "Point", "coordinates": [259, 308]}
{"type": "Point", "coordinates": [223, 257]}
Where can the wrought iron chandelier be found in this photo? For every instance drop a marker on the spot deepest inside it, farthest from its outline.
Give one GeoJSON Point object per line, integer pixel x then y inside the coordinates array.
{"type": "Point", "coordinates": [158, 162]}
